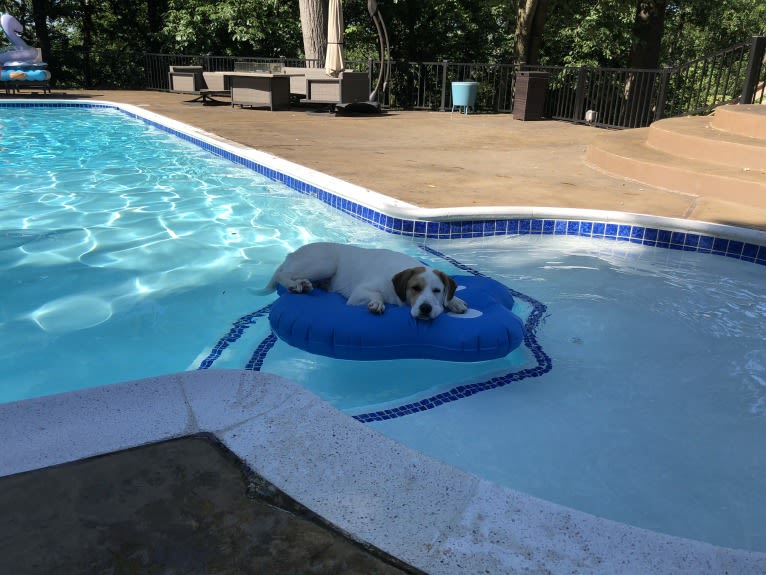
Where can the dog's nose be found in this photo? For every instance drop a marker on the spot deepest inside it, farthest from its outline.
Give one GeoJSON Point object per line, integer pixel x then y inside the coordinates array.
{"type": "Point", "coordinates": [425, 308]}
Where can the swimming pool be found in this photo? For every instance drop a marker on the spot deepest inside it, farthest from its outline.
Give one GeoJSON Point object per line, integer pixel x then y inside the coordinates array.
{"type": "Point", "coordinates": [182, 285]}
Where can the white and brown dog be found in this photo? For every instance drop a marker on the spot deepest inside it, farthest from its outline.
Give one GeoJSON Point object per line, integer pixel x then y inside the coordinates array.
{"type": "Point", "coordinates": [371, 277]}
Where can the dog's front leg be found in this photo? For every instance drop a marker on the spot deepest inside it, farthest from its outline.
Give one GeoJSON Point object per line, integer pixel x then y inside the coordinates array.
{"type": "Point", "coordinates": [456, 305]}
{"type": "Point", "coordinates": [372, 298]}
{"type": "Point", "coordinates": [298, 286]}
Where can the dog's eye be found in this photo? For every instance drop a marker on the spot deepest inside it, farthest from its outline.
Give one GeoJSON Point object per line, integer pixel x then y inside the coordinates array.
{"type": "Point", "coordinates": [437, 290]}
{"type": "Point", "coordinates": [417, 288]}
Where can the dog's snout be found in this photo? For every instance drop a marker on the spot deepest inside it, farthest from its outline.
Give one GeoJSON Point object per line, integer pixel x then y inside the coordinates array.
{"type": "Point", "coordinates": [425, 308]}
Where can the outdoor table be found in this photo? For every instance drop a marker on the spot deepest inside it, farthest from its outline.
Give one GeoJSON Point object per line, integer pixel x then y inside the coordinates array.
{"type": "Point", "coordinates": [259, 89]}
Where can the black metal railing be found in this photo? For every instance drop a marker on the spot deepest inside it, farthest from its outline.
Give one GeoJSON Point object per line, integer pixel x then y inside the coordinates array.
{"type": "Point", "coordinates": [616, 98]}
{"type": "Point", "coordinates": [631, 98]}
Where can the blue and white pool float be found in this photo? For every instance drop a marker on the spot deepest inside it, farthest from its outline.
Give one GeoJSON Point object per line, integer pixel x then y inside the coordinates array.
{"type": "Point", "coordinates": [322, 323]}
{"type": "Point", "coordinates": [21, 73]}
{"type": "Point", "coordinates": [20, 62]}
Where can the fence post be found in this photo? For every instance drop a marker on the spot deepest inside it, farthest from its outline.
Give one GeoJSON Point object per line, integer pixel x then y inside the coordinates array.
{"type": "Point", "coordinates": [443, 107]}
{"type": "Point", "coordinates": [659, 109]}
{"type": "Point", "coordinates": [579, 95]}
{"type": "Point", "coordinates": [757, 46]}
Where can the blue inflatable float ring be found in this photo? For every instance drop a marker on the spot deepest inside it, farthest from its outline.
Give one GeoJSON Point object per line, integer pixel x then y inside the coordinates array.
{"type": "Point", "coordinates": [24, 75]}
{"type": "Point", "coordinates": [320, 322]}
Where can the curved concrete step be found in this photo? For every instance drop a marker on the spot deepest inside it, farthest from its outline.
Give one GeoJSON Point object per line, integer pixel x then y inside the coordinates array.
{"type": "Point", "coordinates": [696, 138]}
{"type": "Point", "coordinates": [627, 154]}
{"type": "Point", "coordinates": [745, 120]}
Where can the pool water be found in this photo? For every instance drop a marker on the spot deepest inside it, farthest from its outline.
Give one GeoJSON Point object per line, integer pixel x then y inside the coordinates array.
{"type": "Point", "coordinates": [116, 236]}
{"type": "Point", "coordinates": [654, 413]}
{"type": "Point", "coordinates": [126, 252]}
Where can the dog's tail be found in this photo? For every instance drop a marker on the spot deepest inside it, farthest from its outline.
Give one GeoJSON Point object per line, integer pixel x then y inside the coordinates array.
{"type": "Point", "coordinates": [270, 287]}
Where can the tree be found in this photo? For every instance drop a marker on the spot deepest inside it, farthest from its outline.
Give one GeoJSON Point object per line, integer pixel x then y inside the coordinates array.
{"type": "Point", "coordinates": [40, 9]}
{"type": "Point", "coordinates": [314, 27]}
{"type": "Point", "coordinates": [155, 10]}
{"type": "Point", "coordinates": [648, 29]}
{"type": "Point", "coordinates": [268, 28]}
{"type": "Point", "coordinates": [530, 22]}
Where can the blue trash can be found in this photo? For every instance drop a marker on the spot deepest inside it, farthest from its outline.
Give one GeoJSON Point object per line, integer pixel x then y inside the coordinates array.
{"type": "Point", "coordinates": [464, 95]}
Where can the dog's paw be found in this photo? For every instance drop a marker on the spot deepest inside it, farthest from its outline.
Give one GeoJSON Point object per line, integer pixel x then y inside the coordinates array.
{"type": "Point", "coordinates": [376, 307]}
{"type": "Point", "coordinates": [301, 286]}
{"type": "Point", "coordinates": [457, 305]}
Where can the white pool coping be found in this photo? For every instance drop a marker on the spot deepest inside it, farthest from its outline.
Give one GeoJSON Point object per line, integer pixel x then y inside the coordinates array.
{"type": "Point", "coordinates": [431, 515]}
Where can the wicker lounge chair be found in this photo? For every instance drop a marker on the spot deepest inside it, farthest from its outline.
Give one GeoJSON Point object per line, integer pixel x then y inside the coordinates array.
{"type": "Point", "coordinates": [194, 80]}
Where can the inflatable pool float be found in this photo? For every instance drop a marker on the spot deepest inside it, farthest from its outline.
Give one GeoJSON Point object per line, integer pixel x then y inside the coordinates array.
{"type": "Point", "coordinates": [20, 63]}
{"type": "Point", "coordinates": [320, 322]}
{"type": "Point", "coordinates": [24, 74]}
{"type": "Point", "coordinates": [21, 51]}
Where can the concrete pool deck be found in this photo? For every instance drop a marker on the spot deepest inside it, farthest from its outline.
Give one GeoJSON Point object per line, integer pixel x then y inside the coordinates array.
{"type": "Point", "coordinates": [427, 514]}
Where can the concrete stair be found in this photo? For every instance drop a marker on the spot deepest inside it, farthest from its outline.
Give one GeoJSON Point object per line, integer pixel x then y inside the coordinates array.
{"type": "Point", "coordinates": [721, 156]}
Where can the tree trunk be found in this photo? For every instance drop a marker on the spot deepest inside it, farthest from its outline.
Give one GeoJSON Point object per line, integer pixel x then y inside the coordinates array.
{"type": "Point", "coordinates": [39, 16]}
{"type": "Point", "coordinates": [536, 32]}
{"type": "Point", "coordinates": [648, 28]}
{"type": "Point", "coordinates": [87, 40]}
{"type": "Point", "coordinates": [314, 27]}
{"type": "Point", "coordinates": [530, 21]}
{"type": "Point", "coordinates": [154, 12]}
{"type": "Point", "coordinates": [640, 88]}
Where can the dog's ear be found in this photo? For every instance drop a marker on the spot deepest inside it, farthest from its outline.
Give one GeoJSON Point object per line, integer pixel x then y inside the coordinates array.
{"type": "Point", "coordinates": [401, 280]}
{"type": "Point", "coordinates": [449, 285]}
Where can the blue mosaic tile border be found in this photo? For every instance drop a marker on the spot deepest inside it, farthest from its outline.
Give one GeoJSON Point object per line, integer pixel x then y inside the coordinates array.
{"type": "Point", "coordinates": [419, 229]}
{"type": "Point", "coordinates": [235, 332]}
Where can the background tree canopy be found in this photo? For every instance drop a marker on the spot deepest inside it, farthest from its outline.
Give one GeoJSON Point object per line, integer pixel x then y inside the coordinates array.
{"type": "Point", "coordinates": [570, 32]}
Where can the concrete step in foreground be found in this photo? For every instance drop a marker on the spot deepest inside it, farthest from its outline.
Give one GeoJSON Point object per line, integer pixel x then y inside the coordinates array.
{"type": "Point", "coordinates": [723, 156]}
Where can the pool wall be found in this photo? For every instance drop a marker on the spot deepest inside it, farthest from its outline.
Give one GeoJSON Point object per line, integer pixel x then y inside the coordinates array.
{"type": "Point", "coordinates": [429, 514]}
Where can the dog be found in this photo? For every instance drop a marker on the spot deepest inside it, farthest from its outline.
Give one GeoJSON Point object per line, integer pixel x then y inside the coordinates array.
{"type": "Point", "coordinates": [371, 277]}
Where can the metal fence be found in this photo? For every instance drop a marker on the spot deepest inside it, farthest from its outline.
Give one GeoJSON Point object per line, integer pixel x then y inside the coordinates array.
{"type": "Point", "coordinates": [618, 98]}
{"type": "Point", "coordinates": [631, 98]}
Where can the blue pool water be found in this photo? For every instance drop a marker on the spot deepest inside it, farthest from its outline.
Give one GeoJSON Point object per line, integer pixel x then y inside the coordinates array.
{"type": "Point", "coordinates": [126, 252]}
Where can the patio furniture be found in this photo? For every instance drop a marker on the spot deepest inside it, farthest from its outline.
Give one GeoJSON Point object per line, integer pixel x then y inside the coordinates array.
{"type": "Point", "coordinates": [348, 87]}
{"type": "Point", "coordinates": [194, 80]}
{"type": "Point", "coordinates": [529, 95]}
{"type": "Point", "coordinates": [464, 95]}
{"type": "Point", "coordinates": [32, 75]}
{"type": "Point", "coordinates": [259, 89]}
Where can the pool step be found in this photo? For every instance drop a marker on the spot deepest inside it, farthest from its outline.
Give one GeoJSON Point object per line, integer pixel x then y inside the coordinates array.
{"type": "Point", "coordinates": [723, 156]}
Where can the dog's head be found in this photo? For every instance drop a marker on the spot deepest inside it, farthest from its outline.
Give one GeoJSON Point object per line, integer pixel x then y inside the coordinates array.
{"type": "Point", "coordinates": [425, 290]}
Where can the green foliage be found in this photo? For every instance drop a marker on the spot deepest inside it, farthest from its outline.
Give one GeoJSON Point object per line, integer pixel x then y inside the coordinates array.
{"type": "Point", "coordinates": [85, 34]}
{"type": "Point", "coordinates": [462, 30]}
{"type": "Point", "coordinates": [269, 28]}
{"type": "Point", "coordinates": [693, 28]}
{"type": "Point", "coordinates": [586, 33]}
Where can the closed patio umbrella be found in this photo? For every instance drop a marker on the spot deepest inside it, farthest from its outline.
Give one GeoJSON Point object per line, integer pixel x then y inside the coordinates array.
{"type": "Point", "coordinates": [333, 63]}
